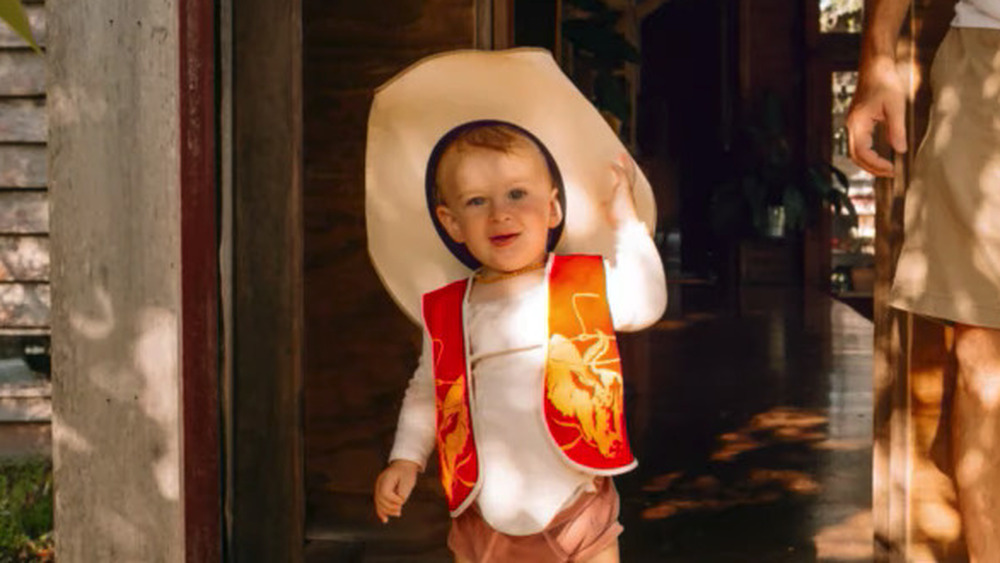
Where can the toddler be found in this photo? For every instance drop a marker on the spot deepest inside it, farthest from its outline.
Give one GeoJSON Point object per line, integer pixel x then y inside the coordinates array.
{"type": "Point", "coordinates": [519, 383]}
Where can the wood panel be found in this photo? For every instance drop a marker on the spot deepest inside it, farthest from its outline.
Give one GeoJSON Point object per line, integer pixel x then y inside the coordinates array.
{"type": "Point", "coordinates": [202, 436]}
{"type": "Point", "coordinates": [36, 18]}
{"type": "Point", "coordinates": [22, 73]}
{"type": "Point", "coordinates": [22, 121]}
{"type": "Point", "coordinates": [771, 54]}
{"type": "Point", "coordinates": [905, 386]}
{"type": "Point", "coordinates": [24, 212]}
{"type": "Point", "coordinates": [360, 349]}
{"type": "Point", "coordinates": [24, 305]}
{"type": "Point", "coordinates": [267, 506]}
{"type": "Point", "coordinates": [23, 166]}
{"type": "Point", "coordinates": [24, 258]}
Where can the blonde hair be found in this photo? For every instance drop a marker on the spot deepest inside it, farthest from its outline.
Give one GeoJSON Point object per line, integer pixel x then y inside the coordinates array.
{"type": "Point", "coordinates": [498, 137]}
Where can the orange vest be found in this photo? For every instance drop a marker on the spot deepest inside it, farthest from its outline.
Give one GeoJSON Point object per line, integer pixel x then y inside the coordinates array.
{"type": "Point", "coordinates": [583, 403]}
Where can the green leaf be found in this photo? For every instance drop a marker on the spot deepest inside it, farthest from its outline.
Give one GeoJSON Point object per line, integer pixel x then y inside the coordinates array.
{"type": "Point", "coordinates": [12, 12]}
{"type": "Point", "coordinates": [611, 96]}
{"type": "Point", "coordinates": [795, 208]}
{"type": "Point", "coordinates": [841, 201]}
{"type": "Point", "coordinates": [818, 183]}
{"type": "Point", "coordinates": [600, 40]}
{"type": "Point", "coordinates": [772, 117]}
{"type": "Point", "coordinates": [840, 176]}
{"type": "Point", "coordinates": [595, 6]}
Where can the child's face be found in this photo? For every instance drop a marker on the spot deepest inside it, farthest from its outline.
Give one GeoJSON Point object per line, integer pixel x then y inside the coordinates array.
{"type": "Point", "coordinates": [501, 205]}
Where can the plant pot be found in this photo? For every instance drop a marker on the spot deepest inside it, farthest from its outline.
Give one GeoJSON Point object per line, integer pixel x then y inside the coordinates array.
{"type": "Point", "coordinates": [775, 221]}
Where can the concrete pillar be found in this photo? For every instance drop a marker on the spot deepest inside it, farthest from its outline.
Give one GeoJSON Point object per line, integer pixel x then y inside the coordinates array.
{"type": "Point", "coordinates": [116, 164]}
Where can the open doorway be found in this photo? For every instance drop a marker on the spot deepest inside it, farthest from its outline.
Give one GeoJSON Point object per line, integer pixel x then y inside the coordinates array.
{"type": "Point", "coordinates": [749, 399]}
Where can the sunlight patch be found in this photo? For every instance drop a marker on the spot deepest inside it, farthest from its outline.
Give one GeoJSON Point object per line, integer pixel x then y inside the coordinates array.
{"type": "Point", "coordinates": [847, 540]}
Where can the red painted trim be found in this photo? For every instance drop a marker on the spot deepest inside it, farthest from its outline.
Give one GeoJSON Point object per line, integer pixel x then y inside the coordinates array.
{"type": "Point", "coordinates": [202, 445]}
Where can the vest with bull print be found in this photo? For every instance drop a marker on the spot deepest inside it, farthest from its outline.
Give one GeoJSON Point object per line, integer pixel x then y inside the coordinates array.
{"type": "Point", "coordinates": [583, 402]}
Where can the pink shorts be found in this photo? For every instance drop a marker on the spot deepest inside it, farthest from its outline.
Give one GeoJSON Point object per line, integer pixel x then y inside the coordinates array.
{"type": "Point", "coordinates": [578, 533]}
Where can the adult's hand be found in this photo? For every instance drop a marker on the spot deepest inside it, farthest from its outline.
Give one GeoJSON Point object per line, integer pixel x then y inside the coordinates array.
{"type": "Point", "coordinates": [879, 98]}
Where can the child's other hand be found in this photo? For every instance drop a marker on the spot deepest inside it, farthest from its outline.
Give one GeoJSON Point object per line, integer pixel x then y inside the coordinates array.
{"type": "Point", "coordinates": [393, 487]}
{"type": "Point", "coordinates": [621, 207]}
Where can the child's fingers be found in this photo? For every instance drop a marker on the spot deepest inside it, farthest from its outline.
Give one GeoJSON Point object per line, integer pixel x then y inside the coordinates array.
{"type": "Point", "coordinates": [387, 500]}
{"type": "Point", "coordinates": [393, 487]}
{"type": "Point", "coordinates": [620, 207]}
{"type": "Point", "coordinates": [387, 482]}
{"type": "Point", "coordinates": [385, 507]}
{"type": "Point", "coordinates": [383, 517]}
{"type": "Point", "coordinates": [624, 168]}
{"type": "Point", "coordinates": [390, 498]}
{"type": "Point", "coordinates": [405, 486]}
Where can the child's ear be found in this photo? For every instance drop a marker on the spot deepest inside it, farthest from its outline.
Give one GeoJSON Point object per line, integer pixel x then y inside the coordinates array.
{"type": "Point", "coordinates": [450, 223]}
{"type": "Point", "coordinates": [555, 210]}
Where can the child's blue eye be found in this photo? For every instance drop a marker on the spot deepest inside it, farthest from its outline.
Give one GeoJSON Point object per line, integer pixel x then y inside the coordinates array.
{"type": "Point", "coordinates": [475, 201]}
{"type": "Point", "coordinates": [517, 193]}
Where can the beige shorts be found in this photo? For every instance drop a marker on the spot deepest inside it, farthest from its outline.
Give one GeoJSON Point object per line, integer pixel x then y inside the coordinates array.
{"type": "Point", "coordinates": [578, 533]}
{"type": "Point", "coordinates": [949, 266]}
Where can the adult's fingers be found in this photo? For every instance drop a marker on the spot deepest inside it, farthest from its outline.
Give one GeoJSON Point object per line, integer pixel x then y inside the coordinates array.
{"type": "Point", "coordinates": [860, 126]}
{"type": "Point", "coordinates": [873, 162]}
{"type": "Point", "coordinates": [895, 120]}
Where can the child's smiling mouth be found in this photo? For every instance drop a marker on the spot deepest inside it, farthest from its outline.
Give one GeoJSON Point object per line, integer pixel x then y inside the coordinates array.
{"type": "Point", "coordinates": [503, 240]}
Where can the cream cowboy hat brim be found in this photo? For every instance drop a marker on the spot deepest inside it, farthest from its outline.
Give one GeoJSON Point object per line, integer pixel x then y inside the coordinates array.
{"type": "Point", "coordinates": [412, 111]}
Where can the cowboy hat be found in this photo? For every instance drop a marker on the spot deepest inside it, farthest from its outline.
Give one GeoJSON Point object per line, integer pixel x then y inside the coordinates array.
{"type": "Point", "coordinates": [413, 111]}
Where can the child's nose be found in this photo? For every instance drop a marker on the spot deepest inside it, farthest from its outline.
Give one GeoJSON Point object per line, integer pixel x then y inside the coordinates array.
{"type": "Point", "coordinates": [499, 211]}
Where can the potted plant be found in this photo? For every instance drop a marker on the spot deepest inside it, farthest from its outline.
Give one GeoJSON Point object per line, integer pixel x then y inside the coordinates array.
{"type": "Point", "coordinates": [768, 192]}
{"type": "Point", "coordinates": [598, 56]}
{"type": "Point", "coordinates": [765, 177]}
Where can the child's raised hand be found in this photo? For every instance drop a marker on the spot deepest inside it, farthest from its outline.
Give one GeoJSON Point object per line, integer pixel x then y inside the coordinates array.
{"type": "Point", "coordinates": [393, 487]}
{"type": "Point", "coordinates": [621, 207]}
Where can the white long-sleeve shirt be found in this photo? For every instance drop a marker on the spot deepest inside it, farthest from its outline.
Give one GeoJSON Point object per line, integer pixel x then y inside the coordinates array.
{"type": "Point", "coordinates": [525, 481]}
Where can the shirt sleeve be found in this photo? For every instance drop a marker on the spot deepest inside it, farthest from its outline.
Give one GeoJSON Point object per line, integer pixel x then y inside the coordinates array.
{"type": "Point", "coordinates": [416, 428]}
{"type": "Point", "coordinates": [637, 286]}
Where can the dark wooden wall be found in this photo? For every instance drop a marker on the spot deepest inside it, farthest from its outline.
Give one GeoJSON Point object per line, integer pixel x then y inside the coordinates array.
{"type": "Point", "coordinates": [705, 65]}
{"type": "Point", "coordinates": [359, 348]}
{"type": "Point", "coordinates": [686, 92]}
{"type": "Point", "coordinates": [771, 41]}
{"type": "Point", "coordinates": [263, 103]}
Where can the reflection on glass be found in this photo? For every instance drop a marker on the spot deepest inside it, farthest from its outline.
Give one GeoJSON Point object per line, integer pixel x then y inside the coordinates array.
{"type": "Point", "coordinates": [853, 246]}
{"type": "Point", "coordinates": [840, 16]}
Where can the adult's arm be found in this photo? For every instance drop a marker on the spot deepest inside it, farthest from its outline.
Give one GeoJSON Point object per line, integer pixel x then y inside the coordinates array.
{"type": "Point", "coordinates": [880, 96]}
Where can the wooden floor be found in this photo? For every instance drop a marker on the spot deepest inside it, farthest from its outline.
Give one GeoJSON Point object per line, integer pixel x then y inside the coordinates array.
{"type": "Point", "coordinates": [753, 432]}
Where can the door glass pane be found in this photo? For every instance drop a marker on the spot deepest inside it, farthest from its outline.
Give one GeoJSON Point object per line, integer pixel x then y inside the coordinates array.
{"type": "Point", "coordinates": [853, 244]}
{"type": "Point", "coordinates": [840, 16]}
